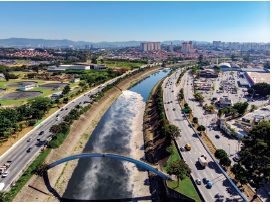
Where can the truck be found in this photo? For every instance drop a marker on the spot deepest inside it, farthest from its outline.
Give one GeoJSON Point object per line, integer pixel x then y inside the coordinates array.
{"type": "Point", "coordinates": [188, 146]}
{"type": "Point", "coordinates": [5, 166]}
{"type": "Point", "coordinates": [202, 161]}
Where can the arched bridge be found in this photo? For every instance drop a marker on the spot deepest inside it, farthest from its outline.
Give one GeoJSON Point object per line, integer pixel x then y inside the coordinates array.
{"type": "Point", "coordinates": [115, 156]}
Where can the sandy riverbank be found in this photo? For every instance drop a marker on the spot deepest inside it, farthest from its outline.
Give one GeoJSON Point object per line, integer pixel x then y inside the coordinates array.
{"type": "Point", "coordinates": [74, 144]}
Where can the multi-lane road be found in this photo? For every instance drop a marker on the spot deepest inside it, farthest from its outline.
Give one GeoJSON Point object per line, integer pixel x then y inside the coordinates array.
{"type": "Point", "coordinates": [221, 190]}
{"type": "Point", "coordinates": [18, 153]}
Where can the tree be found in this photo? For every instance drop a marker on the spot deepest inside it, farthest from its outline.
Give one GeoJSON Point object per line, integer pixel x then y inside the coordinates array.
{"type": "Point", "coordinates": [263, 89]}
{"type": "Point", "coordinates": [195, 120]}
{"type": "Point", "coordinates": [66, 90]}
{"type": "Point", "coordinates": [94, 60]}
{"type": "Point", "coordinates": [253, 108]}
{"type": "Point", "coordinates": [220, 153]}
{"type": "Point", "coordinates": [220, 112]}
{"type": "Point", "coordinates": [221, 88]}
{"type": "Point", "coordinates": [170, 131]}
{"type": "Point", "coordinates": [7, 76]}
{"type": "Point", "coordinates": [225, 161]}
{"type": "Point", "coordinates": [232, 57]}
{"type": "Point", "coordinates": [241, 107]}
{"type": "Point", "coordinates": [35, 68]}
{"type": "Point", "coordinates": [201, 128]}
{"type": "Point", "coordinates": [41, 168]}
{"type": "Point", "coordinates": [170, 150]}
{"type": "Point", "coordinates": [179, 168]}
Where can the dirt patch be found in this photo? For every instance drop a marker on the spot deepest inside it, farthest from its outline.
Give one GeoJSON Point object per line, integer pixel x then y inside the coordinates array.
{"type": "Point", "coordinates": [21, 95]}
{"type": "Point", "coordinates": [23, 83]}
{"type": "Point", "coordinates": [74, 144]}
{"type": "Point", "coordinates": [52, 85]}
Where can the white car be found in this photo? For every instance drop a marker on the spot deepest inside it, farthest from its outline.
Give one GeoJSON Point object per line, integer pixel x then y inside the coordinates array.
{"type": "Point", "coordinates": [5, 174]}
{"type": "Point", "coordinates": [57, 118]}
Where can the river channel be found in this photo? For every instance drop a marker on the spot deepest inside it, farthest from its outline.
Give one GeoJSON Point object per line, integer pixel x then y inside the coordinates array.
{"type": "Point", "coordinates": [118, 130]}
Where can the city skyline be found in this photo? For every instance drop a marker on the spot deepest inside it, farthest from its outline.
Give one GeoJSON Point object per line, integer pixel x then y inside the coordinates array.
{"type": "Point", "coordinates": [138, 21]}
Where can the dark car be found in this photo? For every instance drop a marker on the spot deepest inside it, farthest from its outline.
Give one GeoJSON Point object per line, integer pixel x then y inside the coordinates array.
{"type": "Point", "coordinates": [205, 180]}
{"type": "Point", "coordinates": [174, 109]}
{"type": "Point", "coordinates": [41, 132]}
{"type": "Point", "coordinates": [57, 115]}
{"type": "Point", "coordinates": [80, 102]}
{"type": "Point", "coordinates": [29, 149]}
{"type": "Point", "coordinates": [66, 108]}
{"type": "Point", "coordinates": [172, 90]}
{"type": "Point", "coordinates": [62, 109]}
{"type": "Point", "coordinates": [182, 149]}
{"type": "Point", "coordinates": [217, 136]}
{"type": "Point", "coordinates": [235, 159]}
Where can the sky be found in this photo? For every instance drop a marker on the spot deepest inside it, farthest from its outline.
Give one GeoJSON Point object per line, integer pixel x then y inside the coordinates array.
{"type": "Point", "coordinates": [96, 21]}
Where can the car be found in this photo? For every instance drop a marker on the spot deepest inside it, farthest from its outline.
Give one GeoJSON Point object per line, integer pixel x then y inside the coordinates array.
{"type": "Point", "coordinates": [5, 174]}
{"type": "Point", "coordinates": [66, 108]}
{"type": "Point", "coordinates": [30, 139]}
{"type": "Point", "coordinates": [217, 136]}
{"type": "Point", "coordinates": [182, 149]}
{"type": "Point", "coordinates": [174, 109]}
{"type": "Point", "coordinates": [198, 181]}
{"type": "Point", "coordinates": [203, 155]}
{"type": "Point", "coordinates": [80, 102]}
{"type": "Point", "coordinates": [57, 118]}
{"type": "Point", "coordinates": [172, 90]}
{"type": "Point", "coordinates": [205, 180]}
{"type": "Point", "coordinates": [57, 115]}
{"type": "Point", "coordinates": [168, 102]}
{"type": "Point", "coordinates": [235, 159]}
{"type": "Point", "coordinates": [171, 101]}
{"type": "Point", "coordinates": [41, 132]}
{"type": "Point", "coordinates": [61, 109]}
{"type": "Point", "coordinates": [209, 184]}
{"type": "Point", "coordinates": [29, 149]}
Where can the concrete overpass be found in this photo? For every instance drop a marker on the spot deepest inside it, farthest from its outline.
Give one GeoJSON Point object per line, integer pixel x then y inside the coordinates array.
{"type": "Point", "coordinates": [115, 156]}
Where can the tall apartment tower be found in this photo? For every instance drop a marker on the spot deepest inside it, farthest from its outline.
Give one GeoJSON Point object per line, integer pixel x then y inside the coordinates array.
{"type": "Point", "coordinates": [186, 47]}
{"type": "Point", "coordinates": [217, 43]}
{"type": "Point", "coordinates": [171, 47]}
{"type": "Point", "coordinates": [149, 46]}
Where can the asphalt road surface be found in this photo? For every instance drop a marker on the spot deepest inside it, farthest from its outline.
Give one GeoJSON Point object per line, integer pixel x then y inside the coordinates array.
{"type": "Point", "coordinates": [221, 190]}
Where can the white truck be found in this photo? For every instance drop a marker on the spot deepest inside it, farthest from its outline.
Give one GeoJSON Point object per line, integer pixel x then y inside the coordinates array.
{"type": "Point", "coordinates": [202, 161]}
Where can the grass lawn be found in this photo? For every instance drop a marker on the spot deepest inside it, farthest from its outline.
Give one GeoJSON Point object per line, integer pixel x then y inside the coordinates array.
{"type": "Point", "coordinates": [22, 61]}
{"type": "Point", "coordinates": [185, 186]}
{"type": "Point", "coordinates": [126, 65]}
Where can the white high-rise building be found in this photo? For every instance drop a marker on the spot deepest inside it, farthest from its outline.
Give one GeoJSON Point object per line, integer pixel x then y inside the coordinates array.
{"type": "Point", "coordinates": [171, 47]}
{"type": "Point", "coordinates": [186, 47]}
{"type": "Point", "coordinates": [149, 46]}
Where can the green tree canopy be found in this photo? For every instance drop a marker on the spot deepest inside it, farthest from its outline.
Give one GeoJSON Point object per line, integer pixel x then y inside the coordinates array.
{"type": "Point", "coordinates": [263, 89]}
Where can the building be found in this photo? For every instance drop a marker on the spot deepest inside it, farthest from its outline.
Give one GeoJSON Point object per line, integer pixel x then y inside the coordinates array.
{"type": "Point", "coordinates": [171, 47]}
{"type": "Point", "coordinates": [64, 67]}
{"type": "Point", "coordinates": [217, 43]}
{"type": "Point", "coordinates": [26, 87]}
{"type": "Point", "coordinates": [258, 77]}
{"type": "Point", "coordinates": [55, 95]}
{"type": "Point", "coordinates": [255, 117]}
{"type": "Point", "coordinates": [243, 82]}
{"type": "Point", "coordinates": [75, 80]}
{"type": "Point", "coordinates": [225, 101]}
{"type": "Point", "coordinates": [225, 66]}
{"type": "Point", "coordinates": [150, 46]}
{"type": "Point", "coordinates": [207, 73]}
{"type": "Point", "coordinates": [186, 47]}
{"type": "Point", "coordinates": [203, 86]}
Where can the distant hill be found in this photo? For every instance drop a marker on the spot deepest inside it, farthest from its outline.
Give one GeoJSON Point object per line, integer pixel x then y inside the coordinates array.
{"type": "Point", "coordinates": [65, 42]}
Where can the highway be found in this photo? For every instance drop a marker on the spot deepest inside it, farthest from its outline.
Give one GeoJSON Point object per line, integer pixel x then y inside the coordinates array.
{"type": "Point", "coordinates": [221, 190]}
{"type": "Point", "coordinates": [19, 155]}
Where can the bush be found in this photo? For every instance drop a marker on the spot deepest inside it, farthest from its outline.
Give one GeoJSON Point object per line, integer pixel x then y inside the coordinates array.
{"type": "Point", "coordinates": [225, 161]}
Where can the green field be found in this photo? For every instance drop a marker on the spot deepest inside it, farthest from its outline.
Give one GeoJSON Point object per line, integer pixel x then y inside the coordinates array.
{"type": "Point", "coordinates": [22, 61]}
{"type": "Point", "coordinates": [127, 65]}
{"type": "Point", "coordinates": [185, 186]}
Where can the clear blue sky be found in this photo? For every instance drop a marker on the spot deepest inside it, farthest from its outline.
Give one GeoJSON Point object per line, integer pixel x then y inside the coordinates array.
{"type": "Point", "coordinates": [228, 21]}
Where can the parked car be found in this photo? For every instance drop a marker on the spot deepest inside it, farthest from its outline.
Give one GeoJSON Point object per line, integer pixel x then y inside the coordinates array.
{"type": "Point", "coordinates": [198, 181]}
{"type": "Point", "coordinates": [174, 109]}
{"type": "Point", "coordinates": [30, 139]}
{"type": "Point", "coordinates": [29, 149]}
{"type": "Point", "coordinates": [217, 136]}
{"type": "Point", "coordinates": [235, 159]}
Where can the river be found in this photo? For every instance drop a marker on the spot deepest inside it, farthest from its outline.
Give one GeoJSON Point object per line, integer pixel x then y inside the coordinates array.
{"type": "Point", "coordinates": [119, 131]}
